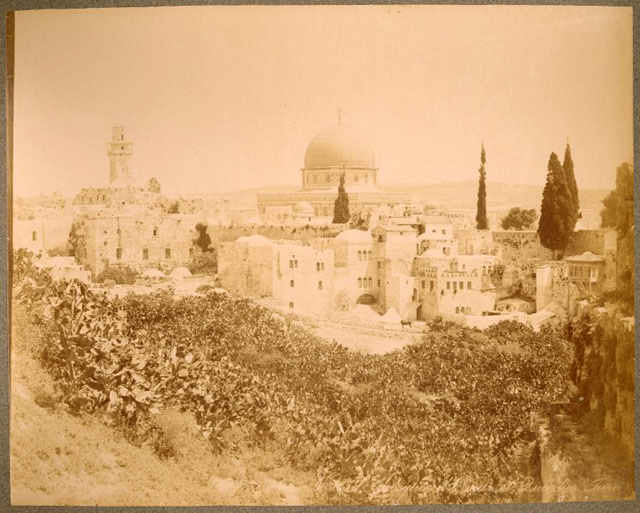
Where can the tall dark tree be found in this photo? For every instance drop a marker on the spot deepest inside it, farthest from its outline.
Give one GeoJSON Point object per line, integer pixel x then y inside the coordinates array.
{"type": "Point", "coordinates": [482, 222]}
{"type": "Point", "coordinates": [341, 205]}
{"type": "Point", "coordinates": [555, 225]}
{"type": "Point", "coordinates": [567, 166]}
{"type": "Point", "coordinates": [204, 240]}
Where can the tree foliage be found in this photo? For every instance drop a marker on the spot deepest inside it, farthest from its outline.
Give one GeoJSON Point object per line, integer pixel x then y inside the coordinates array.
{"type": "Point", "coordinates": [482, 223]}
{"type": "Point", "coordinates": [76, 242]}
{"type": "Point", "coordinates": [153, 185]}
{"type": "Point", "coordinates": [556, 218]}
{"type": "Point", "coordinates": [567, 166]}
{"type": "Point", "coordinates": [519, 219]}
{"type": "Point", "coordinates": [203, 241]}
{"type": "Point", "coordinates": [121, 274]}
{"type": "Point", "coordinates": [618, 204]}
{"type": "Point", "coordinates": [204, 263]}
{"type": "Point", "coordinates": [341, 205]}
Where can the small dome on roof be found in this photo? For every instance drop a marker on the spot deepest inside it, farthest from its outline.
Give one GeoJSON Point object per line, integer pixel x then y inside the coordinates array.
{"type": "Point", "coordinates": [303, 208]}
{"type": "Point", "coordinates": [180, 272]}
{"type": "Point", "coordinates": [152, 273]}
{"type": "Point", "coordinates": [355, 236]}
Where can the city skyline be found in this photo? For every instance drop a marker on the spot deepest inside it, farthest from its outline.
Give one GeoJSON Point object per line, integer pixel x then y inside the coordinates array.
{"type": "Point", "coordinates": [225, 107]}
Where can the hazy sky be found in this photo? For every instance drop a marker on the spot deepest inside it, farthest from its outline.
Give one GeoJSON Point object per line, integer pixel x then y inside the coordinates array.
{"type": "Point", "coordinates": [224, 98]}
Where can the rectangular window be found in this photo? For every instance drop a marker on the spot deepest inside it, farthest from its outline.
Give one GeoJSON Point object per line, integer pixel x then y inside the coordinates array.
{"type": "Point", "coordinates": [461, 285]}
{"type": "Point", "coordinates": [424, 284]}
{"type": "Point", "coordinates": [359, 283]}
{"type": "Point", "coordinates": [378, 283]}
{"type": "Point", "coordinates": [448, 285]}
{"type": "Point", "coordinates": [118, 253]}
{"type": "Point", "coordinates": [469, 285]}
{"type": "Point", "coordinates": [167, 253]}
{"type": "Point", "coordinates": [145, 254]}
{"type": "Point", "coordinates": [34, 235]}
{"type": "Point", "coordinates": [320, 285]}
{"type": "Point", "coordinates": [291, 283]}
{"type": "Point", "coordinates": [291, 306]}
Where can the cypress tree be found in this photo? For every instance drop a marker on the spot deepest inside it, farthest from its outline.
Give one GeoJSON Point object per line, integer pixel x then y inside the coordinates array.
{"type": "Point", "coordinates": [570, 176]}
{"type": "Point", "coordinates": [341, 205]}
{"type": "Point", "coordinates": [481, 214]}
{"type": "Point", "coordinates": [556, 219]}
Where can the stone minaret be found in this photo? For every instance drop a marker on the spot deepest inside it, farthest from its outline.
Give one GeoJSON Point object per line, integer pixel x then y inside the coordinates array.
{"type": "Point", "coordinates": [119, 152]}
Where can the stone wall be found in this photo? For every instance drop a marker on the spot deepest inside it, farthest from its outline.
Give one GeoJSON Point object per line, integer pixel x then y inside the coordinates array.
{"type": "Point", "coordinates": [138, 241]}
{"type": "Point", "coordinates": [603, 369]}
{"type": "Point", "coordinates": [220, 234]}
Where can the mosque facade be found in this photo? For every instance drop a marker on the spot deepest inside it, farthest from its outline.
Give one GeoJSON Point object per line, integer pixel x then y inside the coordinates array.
{"type": "Point", "coordinates": [330, 155]}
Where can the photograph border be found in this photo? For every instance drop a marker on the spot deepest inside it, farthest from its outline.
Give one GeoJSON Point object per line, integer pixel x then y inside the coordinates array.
{"type": "Point", "coordinates": [6, 90]}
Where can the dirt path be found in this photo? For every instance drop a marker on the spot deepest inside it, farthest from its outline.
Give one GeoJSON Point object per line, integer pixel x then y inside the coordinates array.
{"type": "Point", "coordinates": [366, 340]}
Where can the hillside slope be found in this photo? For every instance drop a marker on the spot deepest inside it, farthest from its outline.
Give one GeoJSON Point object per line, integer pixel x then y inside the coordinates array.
{"type": "Point", "coordinates": [61, 459]}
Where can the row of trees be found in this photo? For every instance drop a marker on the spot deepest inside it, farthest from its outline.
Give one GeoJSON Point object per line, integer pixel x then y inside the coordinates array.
{"type": "Point", "coordinates": [560, 208]}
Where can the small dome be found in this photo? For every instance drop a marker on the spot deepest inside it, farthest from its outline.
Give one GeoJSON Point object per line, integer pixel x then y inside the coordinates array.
{"type": "Point", "coordinates": [355, 237]}
{"type": "Point", "coordinates": [303, 208]}
{"type": "Point", "coordinates": [152, 273]}
{"type": "Point", "coordinates": [180, 272]}
{"type": "Point", "coordinates": [339, 147]}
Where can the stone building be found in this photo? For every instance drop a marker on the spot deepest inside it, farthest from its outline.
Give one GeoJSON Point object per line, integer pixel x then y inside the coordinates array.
{"type": "Point", "coordinates": [588, 272]}
{"type": "Point", "coordinates": [328, 156]}
{"type": "Point", "coordinates": [137, 241]}
{"type": "Point", "coordinates": [453, 285]}
{"type": "Point", "coordinates": [385, 267]}
{"type": "Point", "coordinates": [305, 279]}
{"type": "Point", "coordinates": [42, 234]}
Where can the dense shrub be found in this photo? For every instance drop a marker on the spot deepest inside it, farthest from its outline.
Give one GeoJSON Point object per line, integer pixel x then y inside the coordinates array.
{"type": "Point", "coordinates": [62, 250]}
{"type": "Point", "coordinates": [442, 420]}
{"type": "Point", "coordinates": [122, 275]}
{"type": "Point", "coordinates": [204, 262]}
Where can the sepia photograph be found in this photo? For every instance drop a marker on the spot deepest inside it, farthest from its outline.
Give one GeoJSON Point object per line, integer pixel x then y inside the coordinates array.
{"type": "Point", "coordinates": [307, 255]}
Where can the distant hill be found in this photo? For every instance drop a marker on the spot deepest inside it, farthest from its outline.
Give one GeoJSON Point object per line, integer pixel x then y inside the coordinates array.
{"type": "Point", "coordinates": [463, 195]}
{"type": "Point", "coordinates": [456, 195]}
